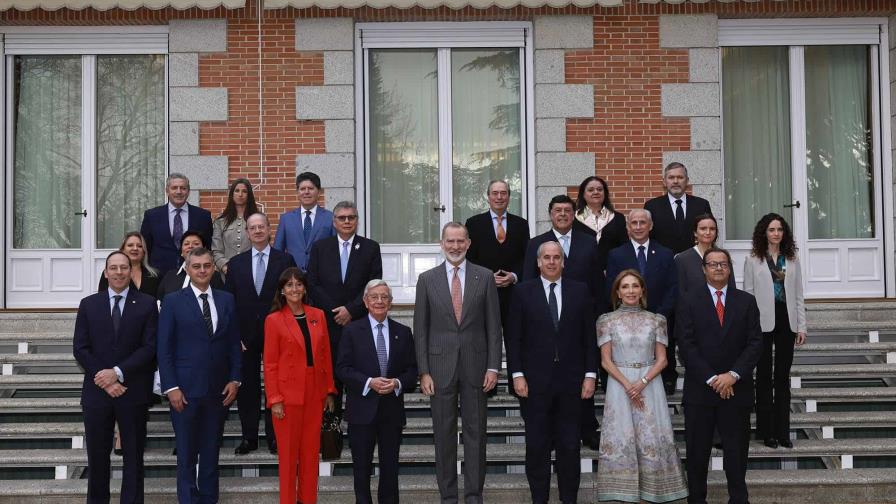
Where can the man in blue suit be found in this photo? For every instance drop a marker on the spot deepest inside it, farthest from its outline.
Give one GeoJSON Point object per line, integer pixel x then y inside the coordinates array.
{"type": "Point", "coordinates": [199, 363]}
{"type": "Point", "coordinates": [252, 279]}
{"type": "Point", "coordinates": [552, 359]}
{"type": "Point", "coordinates": [377, 363]}
{"type": "Point", "coordinates": [163, 227]}
{"type": "Point", "coordinates": [656, 264]}
{"type": "Point", "coordinates": [115, 343]}
{"type": "Point", "coordinates": [300, 228]}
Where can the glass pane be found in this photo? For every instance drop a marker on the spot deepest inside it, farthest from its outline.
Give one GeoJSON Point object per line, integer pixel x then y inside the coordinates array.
{"type": "Point", "coordinates": [485, 114]}
{"type": "Point", "coordinates": [130, 135]}
{"type": "Point", "coordinates": [756, 125]}
{"type": "Point", "coordinates": [838, 142]}
{"type": "Point", "coordinates": [404, 146]}
{"type": "Point", "coordinates": [47, 152]}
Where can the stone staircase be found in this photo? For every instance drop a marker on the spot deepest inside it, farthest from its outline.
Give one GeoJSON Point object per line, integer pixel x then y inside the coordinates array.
{"type": "Point", "coordinates": [843, 426]}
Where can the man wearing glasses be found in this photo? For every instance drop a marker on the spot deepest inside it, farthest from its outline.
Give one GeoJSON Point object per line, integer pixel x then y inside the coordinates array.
{"type": "Point", "coordinates": [338, 269]}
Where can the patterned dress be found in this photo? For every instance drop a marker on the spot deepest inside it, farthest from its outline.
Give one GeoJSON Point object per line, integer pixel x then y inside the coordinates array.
{"type": "Point", "coordinates": [638, 458]}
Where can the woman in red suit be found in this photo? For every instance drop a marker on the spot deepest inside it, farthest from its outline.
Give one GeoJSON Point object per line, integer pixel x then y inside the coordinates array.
{"type": "Point", "coordinates": [299, 381]}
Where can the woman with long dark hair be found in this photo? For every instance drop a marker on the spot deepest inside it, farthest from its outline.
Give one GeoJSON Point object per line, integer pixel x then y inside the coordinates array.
{"type": "Point", "coordinates": [229, 235]}
{"type": "Point", "coordinates": [689, 263]}
{"type": "Point", "coordinates": [596, 216]}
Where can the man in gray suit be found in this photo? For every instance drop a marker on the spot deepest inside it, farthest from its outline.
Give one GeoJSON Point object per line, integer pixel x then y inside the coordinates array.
{"type": "Point", "coordinates": [457, 335]}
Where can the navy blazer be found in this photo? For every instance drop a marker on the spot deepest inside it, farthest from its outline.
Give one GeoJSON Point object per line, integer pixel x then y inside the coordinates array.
{"type": "Point", "coordinates": [199, 364]}
{"type": "Point", "coordinates": [96, 346]}
{"type": "Point", "coordinates": [164, 254]}
{"type": "Point", "coordinates": [662, 275]}
{"type": "Point", "coordinates": [325, 275]}
{"type": "Point", "coordinates": [582, 264]}
{"type": "Point", "coordinates": [291, 239]}
{"type": "Point", "coordinates": [532, 342]}
{"type": "Point", "coordinates": [357, 361]}
{"type": "Point", "coordinates": [251, 308]}
{"type": "Point", "coordinates": [677, 238]}
{"type": "Point", "coordinates": [707, 348]}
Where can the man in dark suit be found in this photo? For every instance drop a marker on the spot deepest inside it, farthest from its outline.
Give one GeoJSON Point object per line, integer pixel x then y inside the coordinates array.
{"type": "Point", "coordinates": [378, 364]}
{"type": "Point", "coordinates": [115, 343]}
{"type": "Point", "coordinates": [552, 358]}
{"type": "Point", "coordinates": [252, 279]}
{"type": "Point", "coordinates": [163, 227]}
{"type": "Point", "coordinates": [720, 339]}
{"type": "Point", "coordinates": [338, 269]}
{"type": "Point", "coordinates": [656, 264]}
{"type": "Point", "coordinates": [300, 228]}
{"type": "Point", "coordinates": [498, 242]}
{"type": "Point", "coordinates": [199, 365]}
{"type": "Point", "coordinates": [580, 263]}
{"type": "Point", "coordinates": [674, 212]}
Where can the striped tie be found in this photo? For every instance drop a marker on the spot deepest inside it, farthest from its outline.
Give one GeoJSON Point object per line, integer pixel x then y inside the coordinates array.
{"type": "Point", "coordinates": [381, 350]}
{"type": "Point", "coordinates": [207, 314]}
{"type": "Point", "coordinates": [720, 308]}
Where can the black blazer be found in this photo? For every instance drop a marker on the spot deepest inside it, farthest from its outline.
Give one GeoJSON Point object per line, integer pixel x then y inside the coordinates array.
{"type": "Point", "coordinates": [164, 254]}
{"type": "Point", "coordinates": [149, 285]}
{"type": "Point", "coordinates": [173, 281]}
{"type": "Point", "coordinates": [662, 276]}
{"type": "Point", "coordinates": [581, 265]}
{"type": "Point", "coordinates": [613, 235]}
{"type": "Point", "coordinates": [708, 349]}
{"type": "Point", "coordinates": [251, 308]}
{"type": "Point", "coordinates": [357, 361]}
{"type": "Point", "coordinates": [487, 252]}
{"type": "Point", "coordinates": [677, 238]}
{"type": "Point", "coordinates": [325, 275]}
{"type": "Point", "coordinates": [689, 265]}
{"type": "Point", "coordinates": [96, 346]}
{"type": "Point", "coordinates": [532, 342]}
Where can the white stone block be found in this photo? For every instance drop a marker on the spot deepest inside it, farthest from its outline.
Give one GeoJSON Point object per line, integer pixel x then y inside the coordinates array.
{"type": "Point", "coordinates": [339, 135]}
{"type": "Point", "coordinates": [563, 168]}
{"type": "Point", "coordinates": [77, 442]}
{"type": "Point", "coordinates": [873, 337]}
{"type": "Point", "coordinates": [23, 348]}
{"type": "Point", "coordinates": [564, 32]}
{"type": "Point", "coordinates": [197, 104]}
{"type": "Point", "coordinates": [335, 170]}
{"type": "Point", "coordinates": [197, 35]}
{"type": "Point", "coordinates": [704, 167]}
{"type": "Point", "coordinates": [811, 406]}
{"type": "Point", "coordinates": [183, 138]}
{"type": "Point", "coordinates": [846, 462]}
{"type": "Point", "coordinates": [550, 135]}
{"type": "Point", "coordinates": [706, 133]}
{"type": "Point", "coordinates": [333, 195]}
{"type": "Point", "coordinates": [325, 34]}
{"type": "Point", "coordinates": [205, 172]}
{"type": "Point", "coordinates": [564, 100]}
{"type": "Point", "coordinates": [717, 463]}
{"type": "Point", "coordinates": [339, 67]}
{"type": "Point", "coordinates": [543, 195]}
{"type": "Point", "coordinates": [700, 30]}
{"type": "Point", "coordinates": [827, 432]}
{"type": "Point", "coordinates": [183, 69]}
{"type": "Point", "coordinates": [550, 66]}
{"type": "Point", "coordinates": [325, 102]}
{"type": "Point", "coordinates": [703, 64]}
{"type": "Point", "coordinates": [61, 472]}
{"type": "Point", "coordinates": [690, 100]}
{"type": "Point", "coordinates": [712, 194]}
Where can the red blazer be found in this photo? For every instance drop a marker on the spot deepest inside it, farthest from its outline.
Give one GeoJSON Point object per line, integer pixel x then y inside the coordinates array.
{"type": "Point", "coordinates": [284, 356]}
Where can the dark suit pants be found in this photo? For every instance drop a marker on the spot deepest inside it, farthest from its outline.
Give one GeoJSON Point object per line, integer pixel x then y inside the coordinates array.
{"type": "Point", "coordinates": [335, 331]}
{"type": "Point", "coordinates": [248, 400]}
{"type": "Point", "coordinates": [670, 372]}
{"type": "Point", "coordinates": [733, 424]}
{"type": "Point", "coordinates": [384, 432]}
{"type": "Point", "coordinates": [99, 428]}
{"type": "Point", "coordinates": [198, 430]}
{"type": "Point", "coordinates": [547, 425]}
{"type": "Point", "coordinates": [773, 389]}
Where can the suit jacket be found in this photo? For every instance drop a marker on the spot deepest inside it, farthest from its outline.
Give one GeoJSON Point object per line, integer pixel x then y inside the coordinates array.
{"type": "Point", "coordinates": [689, 265]}
{"type": "Point", "coordinates": [662, 277]}
{"type": "Point", "coordinates": [612, 235]}
{"type": "Point", "coordinates": [285, 360]}
{"type": "Point", "coordinates": [443, 345]}
{"type": "Point", "coordinates": [325, 274]}
{"type": "Point", "coordinates": [251, 308]}
{"type": "Point", "coordinates": [532, 342]}
{"type": "Point", "coordinates": [96, 345]}
{"type": "Point", "coordinates": [677, 238]}
{"type": "Point", "coordinates": [357, 362]}
{"type": "Point", "coordinates": [189, 358]}
{"type": "Point", "coordinates": [707, 348]}
{"type": "Point", "coordinates": [291, 239]}
{"type": "Point", "coordinates": [758, 282]}
{"type": "Point", "coordinates": [173, 281]}
{"type": "Point", "coordinates": [487, 252]}
{"type": "Point", "coordinates": [582, 264]}
{"type": "Point", "coordinates": [164, 254]}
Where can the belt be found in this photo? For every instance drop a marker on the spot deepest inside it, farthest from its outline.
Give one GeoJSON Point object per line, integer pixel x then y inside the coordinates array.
{"type": "Point", "coordinates": [634, 364]}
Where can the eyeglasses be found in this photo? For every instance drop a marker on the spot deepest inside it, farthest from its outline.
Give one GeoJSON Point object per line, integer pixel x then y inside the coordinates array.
{"type": "Point", "coordinates": [346, 218]}
{"type": "Point", "coordinates": [379, 297]}
{"type": "Point", "coordinates": [717, 265]}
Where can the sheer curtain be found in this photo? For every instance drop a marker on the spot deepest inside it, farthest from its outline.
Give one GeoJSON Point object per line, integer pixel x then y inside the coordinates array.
{"type": "Point", "coordinates": [756, 125]}
{"type": "Point", "coordinates": [130, 136]}
{"type": "Point", "coordinates": [47, 152]}
{"type": "Point", "coordinates": [838, 143]}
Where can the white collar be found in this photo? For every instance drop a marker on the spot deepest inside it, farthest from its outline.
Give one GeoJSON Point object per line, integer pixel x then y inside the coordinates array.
{"type": "Point", "coordinates": [683, 198]}
{"type": "Point", "coordinates": [266, 251]}
{"type": "Point", "coordinates": [558, 234]}
{"type": "Point", "coordinates": [374, 322]}
{"type": "Point", "coordinates": [313, 210]}
{"type": "Point", "coordinates": [197, 292]}
{"type": "Point", "coordinates": [123, 294]}
{"type": "Point", "coordinates": [646, 244]}
{"type": "Point", "coordinates": [547, 283]}
{"type": "Point", "coordinates": [495, 215]}
{"type": "Point", "coordinates": [349, 241]}
{"type": "Point", "coordinates": [462, 267]}
{"type": "Point", "coordinates": [172, 208]}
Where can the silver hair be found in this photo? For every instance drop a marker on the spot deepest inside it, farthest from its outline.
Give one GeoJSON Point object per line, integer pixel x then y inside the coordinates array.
{"type": "Point", "coordinates": [376, 282]}
{"type": "Point", "coordinates": [176, 176]}
{"type": "Point", "coordinates": [455, 225]}
{"type": "Point", "coordinates": [198, 252]}
{"type": "Point", "coordinates": [639, 210]}
{"type": "Point", "coordinates": [549, 242]}
{"type": "Point", "coordinates": [673, 166]}
{"type": "Point", "coordinates": [345, 204]}
{"type": "Point", "coordinates": [496, 181]}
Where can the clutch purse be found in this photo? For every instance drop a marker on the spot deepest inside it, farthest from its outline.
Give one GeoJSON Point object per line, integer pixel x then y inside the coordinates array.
{"type": "Point", "coordinates": [331, 436]}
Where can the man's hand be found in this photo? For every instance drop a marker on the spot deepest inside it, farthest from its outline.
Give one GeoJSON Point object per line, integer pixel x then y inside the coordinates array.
{"type": "Point", "coordinates": [341, 315]}
{"type": "Point", "coordinates": [177, 400]}
{"type": "Point", "coordinates": [104, 378]}
{"type": "Point", "coordinates": [491, 379]}
{"type": "Point", "coordinates": [588, 388]}
{"type": "Point", "coordinates": [229, 392]}
{"type": "Point", "coordinates": [800, 338]}
{"type": "Point", "coordinates": [426, 385]}
{"type": "Point", "coordinates": [115, 390]}
{"type": "Point", "coordinates": [382, 385]}
{"type": "Point", "coordinates": [503, 278]}
{"type": "Point", "coordinates": [330, 403]}
{"type": "Point", "coordinates": [521, 386]}
{"type": "Point", "coordinates": [723, 385]}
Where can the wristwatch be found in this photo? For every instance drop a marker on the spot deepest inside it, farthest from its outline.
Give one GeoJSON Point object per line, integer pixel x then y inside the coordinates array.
{"type": "Point", "coordinates": [644, 380]}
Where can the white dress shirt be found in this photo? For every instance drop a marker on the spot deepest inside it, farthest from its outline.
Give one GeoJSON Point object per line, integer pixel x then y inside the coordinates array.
{"type": "Point", "coordinates": [373, 323]}
{"type": "Point", "coordinates": [313, 215]}
{"type": "Point", "coordinates": [461, 273]}
{"type": "Point", "coordinates": [712, 294]}
{"type": "Point", "coordinates": [266, 259]}
{"type": "Point", "coordinates": [184, 216]}
{"type": "Point", "coordinates": [684, 203]}
{"type": "Point", "coordinates": [124, 296]}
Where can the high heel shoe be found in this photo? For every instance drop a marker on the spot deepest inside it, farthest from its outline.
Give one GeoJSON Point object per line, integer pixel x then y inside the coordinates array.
{"type": "Point", "coordinates": [785, 443]}
{"type": "Point", "coordinates": [771, 442]}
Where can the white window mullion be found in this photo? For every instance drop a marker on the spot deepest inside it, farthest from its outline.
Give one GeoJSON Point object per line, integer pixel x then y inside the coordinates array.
{"type": "Point", "coordinates": [798, 142]}
{"type": "Point", "coordinates": [446, 137]}
{"type": "Point", "coordinates": [88, 156]}
{"type": "Point", "coordinates": [364, 117]}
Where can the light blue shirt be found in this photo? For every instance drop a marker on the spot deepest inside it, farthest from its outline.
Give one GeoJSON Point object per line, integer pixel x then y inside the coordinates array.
{"type": "Point", "coordinates": [184, 216]}
{"type": "Point", "coordinates": [266, 259]}
{"type": "Point", "coordinates": [373, 324]}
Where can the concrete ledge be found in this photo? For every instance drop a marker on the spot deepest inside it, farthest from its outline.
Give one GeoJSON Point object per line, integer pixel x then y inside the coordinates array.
{"type": "Point", "coordinates": [550, 66]}
{"type": "Point", "coordinates": [325, 102]}
{"type": "Point", "coordinates": [183, 139]}
{"type": "Point", "coordinates": [335, 170]}
{"type": "Point", "coordinates": [690, 100]}
{"type": "Point", "coordinates": [183, 69]}
{"type": "Point", "coordinates": [325, 34]}
{"type": "Point", "coordinates": [564, 100]}
{"type": "Point", "coordinates": [704, 167]}
{"type": "Point", "coordinates": [339, 135]}
{"type": "Point", "coordinates": [339, 67]}
{"type": "Point", "coordinates": [550, 135]}
{"type": "Point", "coordinates": [205, 172]}
{"type": "Point", "coordinates": [564, 32]}
{"type": "Point", "coordinates": [701, 30]}
{"type": "Point", "coordinates": [197, 104]}
{"type": "Point", "coordinates": [706, 133]}
{"type": "Point", "coordinates": [197, 35]}
{"type": "Point", "coordinates": [703, 65]}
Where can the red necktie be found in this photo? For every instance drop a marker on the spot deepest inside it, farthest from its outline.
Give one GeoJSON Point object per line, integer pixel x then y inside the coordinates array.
{"type": "Point", "coordinates": [720, 308]}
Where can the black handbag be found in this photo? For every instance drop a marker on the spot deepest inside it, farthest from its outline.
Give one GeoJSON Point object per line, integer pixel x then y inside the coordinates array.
{"type": "Point", "coordinates": [331, 436]}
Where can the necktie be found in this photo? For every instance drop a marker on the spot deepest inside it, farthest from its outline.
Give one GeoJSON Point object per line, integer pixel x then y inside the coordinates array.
{"type": "Point", "coordinates": [642, 260]}
{"type": "Point", "coordinates": [381, 350]}
{"type": "Point", "coordinates": [564, 243]}
{"type": "Point", "coordinates": [178, 233]}
{"type": "Point", "coordinates": [720, 308]}
{"type": "Point", "coordinates": [306, 227]}
{"type": "Point", "coordinates": [343, 259]}
{"type": "Point", "coordinates": [501, 233]}
{"type": "Point", "coordinates": [259, 273]}
{"type": "Point", "coordinates": [679, 212]}
{"type": "Point", "coordinates": [207, 314]}
{"type": "Point", "coordinates": [554, 307]}
{"type": "Point", "coordinates": [116, 313]}
{"type": "Point", "coordinates": [457, 296]}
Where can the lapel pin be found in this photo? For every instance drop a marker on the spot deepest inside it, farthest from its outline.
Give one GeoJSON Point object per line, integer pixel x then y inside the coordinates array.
{"type": "Point", "coordinates": [357, 246]}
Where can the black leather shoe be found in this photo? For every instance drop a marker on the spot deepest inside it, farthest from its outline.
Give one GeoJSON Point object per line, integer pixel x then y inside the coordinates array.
{"type": "Point", "coordinates": [785, 443]}
{"type": "Point", "coordinates": [273, 449]}
{"type": "Point", "coordinates": [245, 447]}
{"type": "Point", "coordinates": [771, 442]}
{"type": "Point", "coordinates": [669, 386]}
{"type": "Point", "coordinates": [118, 451]}
{"type": "Point", "coordinates": [591, 440]}
{"type": "Point", "coordinates": [718, 446]}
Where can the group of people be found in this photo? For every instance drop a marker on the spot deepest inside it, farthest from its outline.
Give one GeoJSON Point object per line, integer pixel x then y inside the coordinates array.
{"type": "Point", "coordinates": [599, 300]}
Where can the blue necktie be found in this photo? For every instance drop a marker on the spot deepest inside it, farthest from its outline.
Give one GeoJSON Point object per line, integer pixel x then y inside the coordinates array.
{"type": "Point", "coordinates": [259, 273]}
{"type": "Point", "coordinates": [178, 233]}
{"type": "Point", "coordinates": [306, 227]}
{"type": "Point", "coordinates": [564, 244]}
{"type": "Point", "coordinates": [642, 261]}
{"type": "Point", "coordinates": [381, 350]}
{"type": "Point", "coordinates": [343, 259]}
